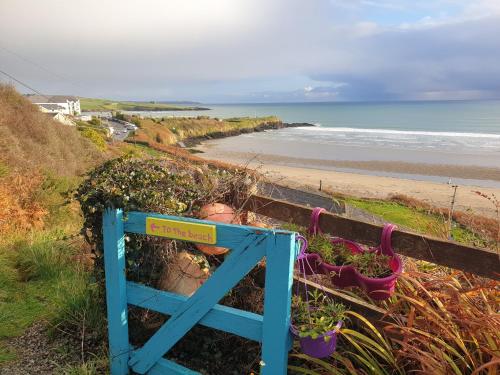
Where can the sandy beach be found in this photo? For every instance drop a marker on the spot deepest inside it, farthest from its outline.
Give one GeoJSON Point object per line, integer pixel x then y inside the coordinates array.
{"type": "Point", "coordinates": [285, 170]}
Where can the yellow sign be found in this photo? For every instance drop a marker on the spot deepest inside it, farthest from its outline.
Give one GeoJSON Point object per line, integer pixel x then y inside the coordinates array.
{"type": "Point", "coordinates": [181, 230]}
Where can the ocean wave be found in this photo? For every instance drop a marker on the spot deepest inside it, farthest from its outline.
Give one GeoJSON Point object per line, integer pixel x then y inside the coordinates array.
{"type": "Point", "coordinates": [400, 132]}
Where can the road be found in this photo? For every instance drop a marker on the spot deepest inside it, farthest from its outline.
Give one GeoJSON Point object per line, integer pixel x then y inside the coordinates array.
{"type": "Point", "coordinates": [120, 131]}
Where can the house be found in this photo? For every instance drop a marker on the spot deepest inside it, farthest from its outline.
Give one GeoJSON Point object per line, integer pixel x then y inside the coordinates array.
{"type": "Point", "coordinates": [58, 116]}
{"type": "Point", "coordinates": [67, 105]}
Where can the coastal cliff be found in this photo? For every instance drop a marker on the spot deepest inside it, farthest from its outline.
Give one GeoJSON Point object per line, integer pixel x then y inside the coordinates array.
{"type": "Point", "coordinates": [188, 132]}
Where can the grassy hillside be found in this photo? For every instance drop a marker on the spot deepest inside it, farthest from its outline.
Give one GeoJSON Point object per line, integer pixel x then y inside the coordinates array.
{"type": "Point", "coordinates": [172, 130]}
{"type": "Point", "coordinates": [42, 285]}
{"type": "Point", "coordinates": [91, 104]}
{"type": "Point", "coordinates": [29, 139]}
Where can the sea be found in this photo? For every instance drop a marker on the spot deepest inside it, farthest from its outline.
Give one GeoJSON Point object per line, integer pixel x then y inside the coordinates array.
{"type": "Point", "coordinates": [458, 133]}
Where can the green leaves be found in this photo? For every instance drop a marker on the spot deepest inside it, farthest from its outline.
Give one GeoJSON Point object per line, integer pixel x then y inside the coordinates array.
{"type": "Point", "coordinates": [318, 315]}
{"type": "Point", "coordinates": [153, 185]}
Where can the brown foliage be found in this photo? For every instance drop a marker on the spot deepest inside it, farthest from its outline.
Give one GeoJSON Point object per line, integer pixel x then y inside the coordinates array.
{"type": "Point", "coordinates": [451, 322]}
{"type": "Point", "coordinates": [18, 210]}
{"type": "Point", "coordinates": [30, 140]}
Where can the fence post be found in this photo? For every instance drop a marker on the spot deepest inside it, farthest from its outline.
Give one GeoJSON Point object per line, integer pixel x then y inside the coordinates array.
{"type": "Point", "coordinates": [280, 257]}
{"type": "Point", "coordinates": [116, 297]}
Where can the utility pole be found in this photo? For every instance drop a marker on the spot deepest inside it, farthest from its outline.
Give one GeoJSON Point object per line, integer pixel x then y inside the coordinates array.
{"type": "Point", "coordinates": [450, 214]}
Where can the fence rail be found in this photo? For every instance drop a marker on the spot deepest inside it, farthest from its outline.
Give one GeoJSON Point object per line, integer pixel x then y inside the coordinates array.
{"type": "Point", "coordinates": [482, 262]}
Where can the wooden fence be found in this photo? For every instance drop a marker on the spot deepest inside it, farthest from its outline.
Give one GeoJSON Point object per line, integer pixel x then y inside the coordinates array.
{"type": "Point", "coordinates": [482, 262]}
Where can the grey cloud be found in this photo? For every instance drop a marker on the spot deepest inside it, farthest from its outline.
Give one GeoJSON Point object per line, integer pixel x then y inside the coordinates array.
{"type": "Point", "coordinates": [224, 50]}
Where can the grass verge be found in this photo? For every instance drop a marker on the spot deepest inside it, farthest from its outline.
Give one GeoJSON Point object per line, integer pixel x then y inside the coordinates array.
{"type": "Point", "coordinates": [418, 220]}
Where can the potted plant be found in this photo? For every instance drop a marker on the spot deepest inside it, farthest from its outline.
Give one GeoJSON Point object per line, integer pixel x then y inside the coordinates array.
{"type": "Point", "coordinates": [375, 270]}
{"type": "Point", "coordinates": [316, 322]}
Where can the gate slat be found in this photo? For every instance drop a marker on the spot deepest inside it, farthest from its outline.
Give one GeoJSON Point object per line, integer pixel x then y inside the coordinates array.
{"type": "Point", "coordinates": [116, 299]}
{"type": "Point", "coordinates": [239, 262]}
{"type": "Point", "coordinates": [228, 319]}
{"type": "Point", "coordinates": [228, 235]}
{"type": "Point", "coordinates": [276, 337]}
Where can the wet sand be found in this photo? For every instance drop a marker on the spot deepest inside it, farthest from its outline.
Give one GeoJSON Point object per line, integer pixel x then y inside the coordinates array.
{"type": "Point", "coordinates": [298, 173]}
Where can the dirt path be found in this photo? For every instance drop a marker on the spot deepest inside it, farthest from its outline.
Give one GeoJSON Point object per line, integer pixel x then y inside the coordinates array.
{"type": "Point", "coordinates": [36, 354]}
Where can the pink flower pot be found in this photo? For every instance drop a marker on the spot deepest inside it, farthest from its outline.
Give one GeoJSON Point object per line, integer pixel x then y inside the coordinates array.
{"type": "Point", "coordinates": [310, 264]}
{"type": "Point", "coordinates": [346, 275]}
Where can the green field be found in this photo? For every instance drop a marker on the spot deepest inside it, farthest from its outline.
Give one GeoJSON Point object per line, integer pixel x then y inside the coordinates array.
{"type": "Point", "coordinates": [92, 104]}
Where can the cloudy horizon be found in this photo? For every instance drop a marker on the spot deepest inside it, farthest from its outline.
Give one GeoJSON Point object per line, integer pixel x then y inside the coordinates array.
{"type": "Point", "coordinates": [230, 51]}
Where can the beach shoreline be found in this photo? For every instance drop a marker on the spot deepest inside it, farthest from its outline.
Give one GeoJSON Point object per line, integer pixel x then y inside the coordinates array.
{"type": "Point", "coordinates": [299, 173]}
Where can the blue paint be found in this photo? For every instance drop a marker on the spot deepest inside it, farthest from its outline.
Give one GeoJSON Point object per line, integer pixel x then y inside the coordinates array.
{"type": "Point", "coordinates": [277, 299]}
{"type": "Point", "coordinates": [239, 322]}
{"type": "Point", "coordinates": [116, 297]}
{"type": "Point", "coordinates": [249, 245]}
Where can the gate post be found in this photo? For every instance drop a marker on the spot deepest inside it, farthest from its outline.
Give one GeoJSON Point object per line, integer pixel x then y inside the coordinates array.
{"type": "Point", "coordinates": [280, 258]}
{"type": "Point", "coordinates": [116, 296]}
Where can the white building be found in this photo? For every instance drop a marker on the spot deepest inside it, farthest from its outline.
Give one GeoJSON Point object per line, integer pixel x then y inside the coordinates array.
{"type": "Point", "coordinates": [67, 105]}
{"type": "Point", "coordinates": [58, 116]}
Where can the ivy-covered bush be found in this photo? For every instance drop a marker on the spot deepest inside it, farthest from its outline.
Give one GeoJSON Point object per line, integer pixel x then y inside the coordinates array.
{"type": "Point", "coordinates": [154, 185]}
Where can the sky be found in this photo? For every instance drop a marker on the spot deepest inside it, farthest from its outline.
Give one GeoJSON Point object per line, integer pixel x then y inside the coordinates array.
{"type": "Point", "coordinates": [236, 51]}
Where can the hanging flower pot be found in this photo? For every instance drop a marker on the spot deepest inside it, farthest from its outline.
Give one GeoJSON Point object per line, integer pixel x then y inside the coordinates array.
{"type": "Point", "coordinates": [315, 322]}
{"type": "Point", "coordinates": [321, 346]}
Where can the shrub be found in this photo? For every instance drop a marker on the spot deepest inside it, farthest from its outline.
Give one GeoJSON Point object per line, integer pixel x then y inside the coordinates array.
{"type": "Point", "coordinates": [95, 121]}
{"type": "Point", "coordinates": [154, 185]}
{"type": "Point", "coordinates": [95, 137]}
{"type": "Point", "coordinates": [158, 138]}
{"type": "Point", "coordinates": [136, 121]}
{"type": "Point", "coordinates": [119, 116]}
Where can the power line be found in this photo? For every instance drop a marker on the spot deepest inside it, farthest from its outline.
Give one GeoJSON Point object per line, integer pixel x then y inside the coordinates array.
{"type": "Point", "coordinates": [21, 83]}
{"type": "Point", "coordinates": [35, 64]}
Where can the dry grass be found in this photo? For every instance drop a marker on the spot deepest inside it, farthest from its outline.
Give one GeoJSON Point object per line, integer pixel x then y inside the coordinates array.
{"type": "Point", "coordinates": [30, 140]}
{"type": "Point", "coordinates": [451, 324]}
{"type": "Point", "coordinates": [18, 210]}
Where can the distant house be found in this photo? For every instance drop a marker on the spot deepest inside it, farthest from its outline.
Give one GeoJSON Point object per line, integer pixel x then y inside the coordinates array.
{"type": "Point", "coordinates": [58, 116]}
{"type": "Point", "coordinates": [67, 105]}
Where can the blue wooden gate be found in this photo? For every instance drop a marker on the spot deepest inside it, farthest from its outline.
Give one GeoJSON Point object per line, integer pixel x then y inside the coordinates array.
{"type": "Point", "coordinates": [248, 246]}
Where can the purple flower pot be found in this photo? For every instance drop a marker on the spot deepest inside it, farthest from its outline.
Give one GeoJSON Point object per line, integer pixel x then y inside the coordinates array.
{"type": "Point", "coordinates": [318, 347]}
